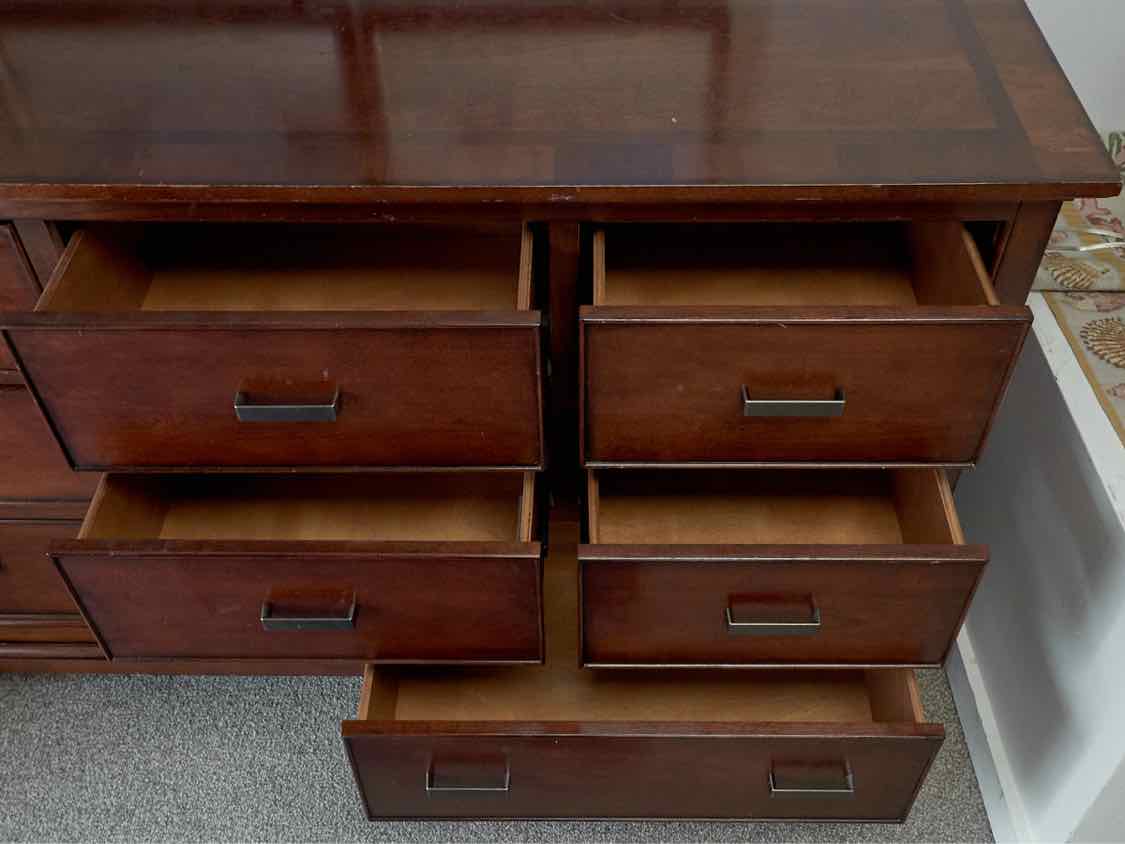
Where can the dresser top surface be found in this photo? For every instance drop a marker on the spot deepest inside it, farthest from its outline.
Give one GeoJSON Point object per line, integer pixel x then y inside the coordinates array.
{"type": "Point", "coordinates": [536, 101]}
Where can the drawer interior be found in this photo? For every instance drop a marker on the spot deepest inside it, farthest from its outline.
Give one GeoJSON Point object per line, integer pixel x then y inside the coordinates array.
{"type": "Point", "coordinates": [479, 507]}
{"type": "Point", "coordinates": [559, 690]}
{"type": "Point", "coordinates": [790, 264]}
{"type": "Point", "coordinates": [772, 507]}
{"type": "Point", "coordinates": [225, 267]}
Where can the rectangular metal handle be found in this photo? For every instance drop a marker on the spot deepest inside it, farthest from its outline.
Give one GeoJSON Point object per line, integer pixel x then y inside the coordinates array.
{"type": "Point", "coordinates": [248, 411]}
{"type": "Point", "coordinates": [435, 783]}
{"type": "Point", "coordinates": [808, 408]}
{"type": "Point", "coordinates": [293, 622]}
{"type": "Point", "coordinates": [773, 626]}
{"type": "Point", "coordinates": [838, 782]}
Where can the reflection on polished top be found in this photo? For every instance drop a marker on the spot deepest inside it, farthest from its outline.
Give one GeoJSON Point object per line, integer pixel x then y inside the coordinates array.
{"type": "Point", "coordinates": [555, 101]}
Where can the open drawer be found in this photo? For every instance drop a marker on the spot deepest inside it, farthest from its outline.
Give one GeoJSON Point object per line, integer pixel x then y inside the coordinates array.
{"type": "Point", "coordinates": [364, 567]}
{"type": "Point", "coordinates": [757, 567]}
{"type": "Point", "coordinates": [776, 343]}
{"type": "Point", "coordinates": [560, 741]}
{"type": "Point", "coordinates": [226, 346]}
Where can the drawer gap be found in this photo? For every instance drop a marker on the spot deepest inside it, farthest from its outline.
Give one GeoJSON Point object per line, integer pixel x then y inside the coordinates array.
{"type": "Point", "coordinates": [887, 264]}
{"type": "Point", "coordinates": [772, 507]}
{"type": "Point", "coordinates": [560, 691]}
{"type": "Point", "coordinates": [213, 267]}
{"type": "Point", "coordinates": [483, 507]}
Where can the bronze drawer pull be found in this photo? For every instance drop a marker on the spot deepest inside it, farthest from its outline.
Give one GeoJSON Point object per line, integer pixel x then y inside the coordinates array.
{"type": "Point", "coordinates": [789, 786]}
{"type": "Point", "coordinates": [813, 408]}
{"type": "Point", "coordinates": [434, 785]}
{"type": "Point", "coordinates": [247, 411]}
{"type": "Point", "coordinates": [288, 622]}
{"type": "Point", "coordinates": [773, 626]}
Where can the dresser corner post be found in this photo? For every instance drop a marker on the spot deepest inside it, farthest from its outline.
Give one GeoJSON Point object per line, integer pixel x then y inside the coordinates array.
{"type": "Point", "coordinates": [1022, 250]}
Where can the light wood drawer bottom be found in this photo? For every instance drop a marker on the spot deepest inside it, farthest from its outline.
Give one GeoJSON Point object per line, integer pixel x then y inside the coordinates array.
{"type": "Point", "coordinates": [561, 741]}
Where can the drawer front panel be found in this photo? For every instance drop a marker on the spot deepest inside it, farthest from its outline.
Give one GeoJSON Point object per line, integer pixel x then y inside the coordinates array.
{"type": "Point", "coordinates": [31, 463]}
{"type": "Point", "coordinates": [437, 396]}
{"type": "Point", "coordinates": [667, 776]}
{"type": "Point", "coordinates": [29, 582]}
{"type": "Point", "coordinates": [406, 608]}
{"type": "Point", "coordinates": [18, 286]}
{"type": "Point", "coordinates": [672, 393]}
{"type": "Point", "coordinates": [781, 612]}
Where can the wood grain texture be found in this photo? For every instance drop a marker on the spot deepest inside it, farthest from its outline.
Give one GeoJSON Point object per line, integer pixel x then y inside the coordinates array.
{"type": "Point", "coordinates": [387, 507]}
{"type": "Point", "coordinates": [777, 264]}
{"type": "Point", "coordinates": [424, 331]}
{"type": "Point", "coordinates": [50, 656]}
{"type": "Point", "coordinates": [180, 566]}
{"type": "Point", "coordinates": [44, 243]}
{"type": "Point", "coordinates": [965, 205]}
{"type": "Point", "coordinates": [28, 581]}
{"type": "Point", "coordinates": [921, 384]}
{"type": "Point", "coordinates": [878, 604]}
{"type": "Point", "coordinates": [576, 743]}
{"type": "Point", "coordinates": [168, 600]}
{"type": "Point", "coordinates": [876, 557]}
{"type": "Point", "coordinates": [684, 316]}
{"type": "Point", "coordinates": [19, 287]}
{"type": "Point", "coordinates": [59, 663]}
{"type": "Point", "coordinates": [32, 466]}
{"type": "Point", "coordinates": [433, 391]}
{"type": "Point", "coordinates": [752, 507]}
{"type": "Point", "coordinates": [1021, 250]}
{"type": "Point", "coordinates": [37, 510]}
{"type": "Point", "coordinates": [227, 268]}
{"type": "Point", "coordinates": [862, 100]}
{"type": "Point", "coordinates": [586, 770]}
{"type": "Point", "coordinates": [44, 628]}
{"type": "Point", "coordinates": [566, 272]}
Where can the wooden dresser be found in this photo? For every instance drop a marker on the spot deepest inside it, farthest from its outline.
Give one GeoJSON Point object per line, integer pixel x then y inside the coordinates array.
{"type": "Point", "coordinates": [361, 307]}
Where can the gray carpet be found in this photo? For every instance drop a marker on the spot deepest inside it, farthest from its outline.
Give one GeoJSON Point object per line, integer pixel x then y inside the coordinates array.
{"type": "Point", "coordinates": [136, 758]}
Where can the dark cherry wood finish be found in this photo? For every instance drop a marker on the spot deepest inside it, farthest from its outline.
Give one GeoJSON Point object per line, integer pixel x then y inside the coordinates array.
{"type": "Point", "coordinates": [28, 581]}
{"type": "Point", "coordinates": [35, 510]}
{"type": "Point", "coordinates": [53, 661]}
{"type": "Point", "coordinates": [31, 464]}
{"type": "Point", "coordinates": [44, 628]}
{"type": "Point", "coordinates": [156, 389]}
{"type": "Point", "coordinates": [635, 770]}
{"type": "Point", "coordinates": [43, 243]}
{"type": "Point", "coordinates": [921, 384]}
{"type": "Point", "coordinates": [19, 287]}
{"type": "Point", "coordinates": [1021, 250]}
{"type": "Point", "coordinates": [51, 656]}
{"type": "Point", "coordinates": [615, 757]}
{"type": "Point", "coordinates": [566, 271]}
{"type": "Point", "coordinates": [878, 605]}
{"type": "Point", "coordinates": [38, 618]}
{"type": "Point", "coordinates": [415, 602]}
{"type": "Point", "coordinates": [827, 110]}
{"type": "Point", "coordinates": [856, 100]}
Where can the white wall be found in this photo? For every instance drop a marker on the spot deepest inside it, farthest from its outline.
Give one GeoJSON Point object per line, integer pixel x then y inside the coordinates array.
{"type": "Point", "coordinates": [1047, 628]}
{"type": "Point", "coordinates": [1088, 36]}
